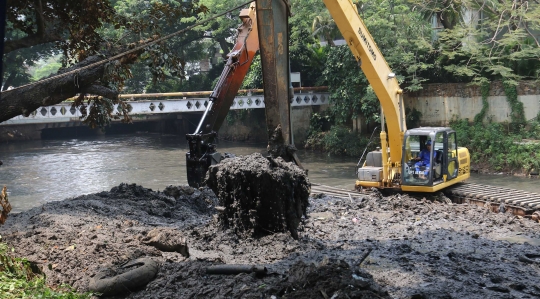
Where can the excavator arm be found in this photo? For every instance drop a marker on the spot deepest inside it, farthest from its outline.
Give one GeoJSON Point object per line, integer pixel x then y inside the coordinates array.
{"type": "Point", "coordinates": [376, 69]}
{"type": "Point", "coordinates": [265, 27]}
{"type": "Point", "coordinates": [202, 148]}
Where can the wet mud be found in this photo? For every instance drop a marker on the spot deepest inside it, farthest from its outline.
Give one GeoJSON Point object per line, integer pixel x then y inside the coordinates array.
{"type": "Point", "coordinates": [259, 195]}
{"type": "Point", "coordinates": [371, 247]}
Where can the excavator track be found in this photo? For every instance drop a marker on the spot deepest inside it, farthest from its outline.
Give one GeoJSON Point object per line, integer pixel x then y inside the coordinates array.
{"type": "Point", "coordinates": [519, 202]}
{"type": "Point", "coordinates": [334, 192]}
{"type": "Point", "coordinates": [498, 199]}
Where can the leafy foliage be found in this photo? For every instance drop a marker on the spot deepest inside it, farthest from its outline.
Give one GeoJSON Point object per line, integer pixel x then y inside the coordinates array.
{"type": "Point", "coordinates": [484, 88]}
{"type": "Point", "coordinates": [254, 77]}
{"type": "Point", "coordinates": [19, 280]}
{"type": "Point", "coordinates": [83, 31]}
{"type": "Point", "coordinates": [412, 117]}
{"type": "Point", "coordinates": [339, 141]}
{"type": "Point", "coordinates": [518, 114]}
{"type": "Point", "coordinates": [404, 38]}
{"type": "Point", "coordinates": [499, 146]}
{"type": "Point", "coordinates": [488, 40]}
{"type": "Point", "coordinates": [346, 82]}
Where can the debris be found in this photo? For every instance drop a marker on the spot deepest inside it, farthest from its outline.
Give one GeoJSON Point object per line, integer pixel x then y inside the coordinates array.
{"type": "Point", "coordinates": [502, 208]}
{"type": "Point", "coordinates": [167, 239]}
{"type": "Point", "coordinates": [438, 259]}
{"type": "Point", "coordinates": [364, 256]}
{"type": "Point", "coordinates": [536, 216]}
{"type": "Point", "coordinates": [308, 280]}
{"type": "Point", "coordinates": [127, 278]}
{"type": "Point", "coordinates": [322, 215]}
{"type": "Point", "coordinates": [525, 259]}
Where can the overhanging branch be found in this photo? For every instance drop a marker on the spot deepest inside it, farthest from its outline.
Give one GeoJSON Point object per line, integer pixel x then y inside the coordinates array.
{"type": "Point", "coordinates": [24, 100]}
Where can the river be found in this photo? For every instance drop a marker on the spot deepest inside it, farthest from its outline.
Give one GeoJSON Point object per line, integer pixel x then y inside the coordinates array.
{"type": "Point", "coordinates": [39, 171]}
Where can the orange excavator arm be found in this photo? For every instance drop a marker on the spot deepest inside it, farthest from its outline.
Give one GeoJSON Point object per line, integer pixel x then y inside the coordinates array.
{"type": "Point", "coordinates": [202, 149]}
{"type": "Point", "coordinates": [265, 27]}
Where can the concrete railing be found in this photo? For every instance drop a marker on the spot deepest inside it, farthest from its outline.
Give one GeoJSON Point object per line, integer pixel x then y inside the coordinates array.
{"type": "Point", "coordinates": [64, 112]}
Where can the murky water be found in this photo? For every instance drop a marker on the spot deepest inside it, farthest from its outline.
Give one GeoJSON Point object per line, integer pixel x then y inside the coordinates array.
{"type": "Point", "coordinates": [46, 170]}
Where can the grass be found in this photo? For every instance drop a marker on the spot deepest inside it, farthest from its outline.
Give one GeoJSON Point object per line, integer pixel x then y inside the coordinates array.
{"type": "Point", "coordinates": [19, 279]}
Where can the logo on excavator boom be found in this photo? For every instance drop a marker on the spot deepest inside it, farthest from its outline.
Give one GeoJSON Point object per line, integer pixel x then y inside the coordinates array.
{"type": "Point", "coordinates": [370, 49]}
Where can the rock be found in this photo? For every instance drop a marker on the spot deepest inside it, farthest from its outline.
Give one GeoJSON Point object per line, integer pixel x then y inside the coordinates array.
{"type": "Point", "coordinates": [166, 239]}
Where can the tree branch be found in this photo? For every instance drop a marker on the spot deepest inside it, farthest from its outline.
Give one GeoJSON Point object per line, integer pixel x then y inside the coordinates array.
{"type": "Point", "coordinates": [39, 18]}
{"type": "Point", "coordinates": [27, 99]}
{"type": "Point", "coordinates": [30, 41]}
{"type": "Point", "coordinates": [225, 46]}
{"type": "Point", "coordinates": [100, 90]}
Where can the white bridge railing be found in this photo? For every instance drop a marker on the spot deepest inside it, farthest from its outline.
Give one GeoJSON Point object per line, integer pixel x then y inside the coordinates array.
{"type": "Point", "coordinates": [64, 112]}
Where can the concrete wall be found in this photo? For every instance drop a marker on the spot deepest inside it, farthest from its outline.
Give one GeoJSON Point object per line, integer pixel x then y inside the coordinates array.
{"type": "Point", "coordinates": [438, 103]}
{"type": "Point", "coordinates": [180, 124]}
{"type": "Point", "coordinates": [252, 128]}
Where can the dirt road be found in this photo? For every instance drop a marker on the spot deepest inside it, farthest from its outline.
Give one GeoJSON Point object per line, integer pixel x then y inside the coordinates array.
{"type": "Point", "coordinates": [419, 248]}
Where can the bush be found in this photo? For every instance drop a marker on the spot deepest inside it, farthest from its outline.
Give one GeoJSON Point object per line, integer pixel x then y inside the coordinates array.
{"type": "Point", "coordinates": [498, 146]}
{"type": "Point", "coordinates": [339, 140]}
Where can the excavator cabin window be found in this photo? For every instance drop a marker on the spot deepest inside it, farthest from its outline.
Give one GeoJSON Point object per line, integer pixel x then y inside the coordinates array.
{"type": "Point", "coordinates": [422, 163]}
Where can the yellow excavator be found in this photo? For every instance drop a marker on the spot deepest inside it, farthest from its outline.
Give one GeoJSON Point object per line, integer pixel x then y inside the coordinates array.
{"type": "Point", "coordinates": [425, 159]}
{"type": "Point", "coordinates": [395, 165]}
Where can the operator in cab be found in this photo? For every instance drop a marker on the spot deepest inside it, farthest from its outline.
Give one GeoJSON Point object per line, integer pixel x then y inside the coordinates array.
{"type": "Point", "coordinates": [424, 160]}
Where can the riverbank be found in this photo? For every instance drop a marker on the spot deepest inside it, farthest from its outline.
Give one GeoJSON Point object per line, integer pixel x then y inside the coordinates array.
{"type": "Point", "coordinates": [418, 248]}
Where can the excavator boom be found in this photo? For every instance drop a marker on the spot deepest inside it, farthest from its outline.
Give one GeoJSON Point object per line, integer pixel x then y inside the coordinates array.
{"type": "Point", "coordinates": [202, 150]}
{"type": "Point", "coordinates": [267, 19]}
{"type": "Point", "coordinates": [376, 69]}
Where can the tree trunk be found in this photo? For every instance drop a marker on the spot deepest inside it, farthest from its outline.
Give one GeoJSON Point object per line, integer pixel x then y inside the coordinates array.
{"type": "Point", "coordinates": [27, 99]}
{"type": "Point", "coordinates": [225, 47]}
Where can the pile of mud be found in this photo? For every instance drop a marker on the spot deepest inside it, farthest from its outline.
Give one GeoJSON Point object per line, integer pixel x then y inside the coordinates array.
{"type": "Point", "coordinates": [419, 247]}
{"type": "Point", "coordinates": [330, 279]}
{"type": "Point", "coordinates": [74, 239]}
{"type": "Point", "coordinates": [259, 195]}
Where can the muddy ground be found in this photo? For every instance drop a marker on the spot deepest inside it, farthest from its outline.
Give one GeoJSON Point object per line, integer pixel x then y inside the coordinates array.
{"type": "Point", "coordinates": [420, 248]}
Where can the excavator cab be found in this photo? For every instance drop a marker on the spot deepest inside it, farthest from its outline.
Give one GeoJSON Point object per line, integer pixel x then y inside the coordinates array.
{"type": "Point", "coordinates": [430, 157]}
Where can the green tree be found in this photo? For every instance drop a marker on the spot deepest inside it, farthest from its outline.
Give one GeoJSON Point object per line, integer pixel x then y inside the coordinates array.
{"type": "Point", "coordinates": [403, 36]}
{"type": "Point", "coordinates": [324, 27]}
{"type": "Point", "coordinates": [497, 41]}
{"type": "Point", "coordinates": [45, 67]}
{"type": "Point", "coordinates": [223, 29]}
{"type": "Point", "coordinates": [83, 31]}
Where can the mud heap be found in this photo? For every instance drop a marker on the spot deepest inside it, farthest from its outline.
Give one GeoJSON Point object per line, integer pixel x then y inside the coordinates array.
{"type": "Point", "coordinates": [332, 278]}
{"type": "Point", "coordinates": [259, 195]}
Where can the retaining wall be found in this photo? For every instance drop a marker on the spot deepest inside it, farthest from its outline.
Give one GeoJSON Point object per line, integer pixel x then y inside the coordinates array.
{"type": "Point", "coordinates": [438, 103]}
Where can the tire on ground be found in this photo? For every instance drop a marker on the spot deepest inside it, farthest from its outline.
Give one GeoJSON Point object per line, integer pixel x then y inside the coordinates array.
{"type": "Point", "coordinates": [144, 271]}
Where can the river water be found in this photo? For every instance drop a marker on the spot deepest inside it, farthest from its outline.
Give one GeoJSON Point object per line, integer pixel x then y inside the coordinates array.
{"type": "Point", "coordinates": [39, 171]}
